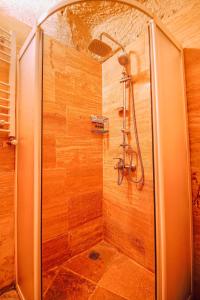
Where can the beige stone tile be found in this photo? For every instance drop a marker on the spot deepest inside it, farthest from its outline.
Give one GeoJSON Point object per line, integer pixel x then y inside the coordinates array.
{"type": "Point", "coordinates": [70, 286]}
{"type": "Point", "coordinates": [128, 279]}
{"type": "Point", "coordinates": [102, 294]}
{"type": "Point", "coordinates": [93, 269]}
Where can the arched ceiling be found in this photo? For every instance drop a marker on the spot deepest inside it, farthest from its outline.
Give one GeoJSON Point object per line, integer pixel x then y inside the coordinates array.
{"type": "Point", "coordinates": [79, 23]}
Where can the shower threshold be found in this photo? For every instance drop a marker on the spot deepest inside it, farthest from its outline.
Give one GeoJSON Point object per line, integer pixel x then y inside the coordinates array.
{"type": "Point", "coordinates": [101, 272]}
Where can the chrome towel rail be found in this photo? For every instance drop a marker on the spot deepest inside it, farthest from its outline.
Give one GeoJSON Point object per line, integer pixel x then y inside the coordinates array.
{"type": "Point", "coordinates": [5, 99]}
{"type": "Point", "coordinates": [4, 83]}
{"type": "Point", "coordinates": [4, 115]}
{"type": "Point", "coordinates": [5, 60]}
{"type": "Point", "coordinates": [4, 38]}
{"type": "Point", "coordinates": [4, 46]}
{"type": "Point", "coordinates": [5, 130]}
{"type": "Point", "coordinates": [5, 31]}
{"type": "Point", "coordinates": [4, 91]}
{"type": "Point", "coordinates": [8, 89]}
{"type": "Point", "coordinates": [3, 122]}
{"type": "Point", "coordinates": [4, 107]}
{"type": "Point", "coordinates": [5, 53]}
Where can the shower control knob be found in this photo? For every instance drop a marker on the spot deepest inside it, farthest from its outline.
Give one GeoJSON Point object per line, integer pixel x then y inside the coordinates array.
{"type": "Point", "coordinates": [120, 163]}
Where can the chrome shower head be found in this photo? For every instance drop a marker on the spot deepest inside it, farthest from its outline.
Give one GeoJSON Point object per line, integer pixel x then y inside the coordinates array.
{"type": "Point", "coordinates": [123, 58]}
{"type": "Point", "coordinates": [99, 48]}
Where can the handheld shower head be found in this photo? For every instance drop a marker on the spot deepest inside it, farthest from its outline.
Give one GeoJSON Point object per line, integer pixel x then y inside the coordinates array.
{"type": "Point", "coordinates": [123, 58]}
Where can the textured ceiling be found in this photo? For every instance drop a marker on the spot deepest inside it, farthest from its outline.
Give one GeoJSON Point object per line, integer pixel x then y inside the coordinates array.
{"type": "Point", "coordinates": [79, 23]}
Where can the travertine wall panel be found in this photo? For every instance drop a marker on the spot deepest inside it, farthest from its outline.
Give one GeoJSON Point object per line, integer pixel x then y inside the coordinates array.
{"type": "Point", "coordinates": [129, 212]}
{"type": "Point", "coordinates": [192, 65]}
{"type": "Point", "coordinates": [72, 154]}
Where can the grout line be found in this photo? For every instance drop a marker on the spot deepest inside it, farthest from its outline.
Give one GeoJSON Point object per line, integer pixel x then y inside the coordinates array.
{"type": "Point", "coordinates": [79, 275]}
{"type": "Point", "coordinates": [122, 297]}
{"type": "Point", "coordinates": [50, 284]}
{"type": "Point", "coordinates": [96, 287]}
{"type": "Point", "coordinates": [83, 277]}
{"type": "Point", "coordinates": [96, 284]}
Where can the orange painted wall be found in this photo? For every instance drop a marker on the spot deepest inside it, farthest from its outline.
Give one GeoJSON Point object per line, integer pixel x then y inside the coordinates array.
{"type": "Point", "coordinates": [72, 154]}
{"type": "Point", "coordinates": [128, 212]}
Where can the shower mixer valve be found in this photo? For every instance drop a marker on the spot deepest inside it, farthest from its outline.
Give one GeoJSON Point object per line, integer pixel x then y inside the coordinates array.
{"type": "Point", "coordinates": [121, 165]}
{"type": "Point", "coordinates": [123, 169]}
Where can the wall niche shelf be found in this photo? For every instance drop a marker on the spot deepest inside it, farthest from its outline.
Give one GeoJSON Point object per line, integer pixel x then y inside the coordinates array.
{"type": "Point", "coordinates": [100, 124]}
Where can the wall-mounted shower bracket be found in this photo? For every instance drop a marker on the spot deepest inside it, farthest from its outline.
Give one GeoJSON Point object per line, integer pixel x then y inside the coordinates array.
{"type": "Point", "coordinates": [125, 78]}
{"type": "Point", "coordinates": [121, 110]}
{"type": "Point", "coordinates": [124, 145]}
{"type": "Point", "coordinates": [125, 130]}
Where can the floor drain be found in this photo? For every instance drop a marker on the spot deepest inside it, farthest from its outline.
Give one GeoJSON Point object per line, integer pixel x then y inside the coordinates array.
{"type": "Point", "coordinates": [94, 255]}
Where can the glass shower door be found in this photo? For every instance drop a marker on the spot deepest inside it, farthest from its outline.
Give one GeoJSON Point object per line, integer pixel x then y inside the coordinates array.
{"type": "Point", "coordinates": [172, 169]}
{"type": "Point", "coordinates": [28, 169]}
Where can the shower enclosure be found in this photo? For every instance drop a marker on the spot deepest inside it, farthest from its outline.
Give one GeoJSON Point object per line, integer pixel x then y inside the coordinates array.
{"type": "Point", "coordinates": [93, 230]}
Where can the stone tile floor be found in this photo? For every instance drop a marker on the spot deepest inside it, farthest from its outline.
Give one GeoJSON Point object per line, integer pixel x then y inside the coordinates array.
{"type": "Point", "coordinates": [101, 273]}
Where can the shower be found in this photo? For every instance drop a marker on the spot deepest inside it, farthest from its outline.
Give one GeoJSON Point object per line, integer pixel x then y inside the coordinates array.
{"type": "Point", "coordinates": [125, 165]}
{"type": "Point", "coordinates": [94, 184]}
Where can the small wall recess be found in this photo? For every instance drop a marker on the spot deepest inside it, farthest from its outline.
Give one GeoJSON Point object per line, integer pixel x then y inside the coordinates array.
{"type": "Point", "coordinates": [100, 124]}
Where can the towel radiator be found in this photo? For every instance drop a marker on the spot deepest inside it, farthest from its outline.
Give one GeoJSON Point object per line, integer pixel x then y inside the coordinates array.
{"type": "Point", "coordinates": [7, 84]}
